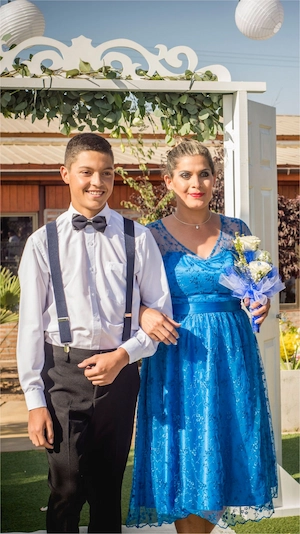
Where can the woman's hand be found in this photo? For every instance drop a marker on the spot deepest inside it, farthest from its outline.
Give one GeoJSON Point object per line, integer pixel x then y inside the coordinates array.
{"type": "Point", "coordinates": [159, 326]}
{"type": "Point", "coordinates": [258, 310]}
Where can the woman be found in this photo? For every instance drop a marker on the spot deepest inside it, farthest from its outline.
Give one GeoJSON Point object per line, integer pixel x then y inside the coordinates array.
{"type": "Point", "coordinates": [204, 452]}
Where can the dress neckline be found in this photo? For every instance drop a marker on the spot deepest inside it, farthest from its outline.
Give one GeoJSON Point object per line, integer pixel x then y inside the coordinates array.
{"type": "Point", "coordinates": [188, 249]}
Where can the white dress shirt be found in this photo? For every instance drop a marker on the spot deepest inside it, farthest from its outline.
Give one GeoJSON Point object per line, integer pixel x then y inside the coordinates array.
{"type": "Point", "coordinates": [93, 266]}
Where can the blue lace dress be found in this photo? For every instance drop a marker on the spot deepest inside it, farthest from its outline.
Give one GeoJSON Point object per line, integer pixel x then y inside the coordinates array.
{"type": "Point", "coordinates": [204, 442]}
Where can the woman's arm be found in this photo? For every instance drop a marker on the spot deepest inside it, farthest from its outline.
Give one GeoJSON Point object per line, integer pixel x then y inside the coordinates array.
{"type": "Point", "coordinates": [158, 325]}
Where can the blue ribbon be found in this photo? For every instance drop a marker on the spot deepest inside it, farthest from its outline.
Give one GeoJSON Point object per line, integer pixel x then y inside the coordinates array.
{"type": "Point", "coordinates": [184, 308]}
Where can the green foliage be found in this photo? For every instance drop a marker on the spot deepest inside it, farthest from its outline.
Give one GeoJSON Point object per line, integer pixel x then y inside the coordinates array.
{"type": "Point", "coordinates": [118, 111]}
{"type": "Point", "coordinates": [6, 316]}
{"type": "Point", "coordinates": [9, 296]}
{"type": "Point", "coordinates": [180, 114]}
{"type": "Point", "coordinates": [149, 201]}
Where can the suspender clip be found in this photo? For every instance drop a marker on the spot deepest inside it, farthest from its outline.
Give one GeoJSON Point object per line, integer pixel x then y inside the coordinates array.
{"type": "Point", "coordinates": [127, 315]}
{"type": "Point", "coordinates": [66, 349]}
{"type": "Point", "coordinates": [61, 319]}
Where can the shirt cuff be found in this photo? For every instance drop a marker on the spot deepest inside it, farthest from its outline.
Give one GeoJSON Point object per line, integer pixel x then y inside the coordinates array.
{"type": "Point", "coordinates": [137, 350]}
{"type": "Point", "coordinates": [35, 398]}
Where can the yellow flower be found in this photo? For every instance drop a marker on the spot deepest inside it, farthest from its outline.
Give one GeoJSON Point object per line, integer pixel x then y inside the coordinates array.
{"type": "Point", "coordinates": [289, 344]}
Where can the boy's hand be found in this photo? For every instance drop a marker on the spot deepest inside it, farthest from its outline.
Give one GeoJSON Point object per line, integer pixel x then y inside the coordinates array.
{"type": "Point", "coordinates": [102, 369]}
{"type": "Point", "coordinates": [40, 428]}
{"type": "Point", "coordinates": [159, 326]}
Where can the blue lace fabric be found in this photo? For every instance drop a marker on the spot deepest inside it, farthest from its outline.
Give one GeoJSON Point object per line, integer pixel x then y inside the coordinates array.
{"type": "Point", "coordinates": [204, 442]}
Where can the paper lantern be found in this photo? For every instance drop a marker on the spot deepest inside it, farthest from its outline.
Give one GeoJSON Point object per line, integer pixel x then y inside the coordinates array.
{"type": "Point", "coordinates": [259, 19]}
{"type": "Point", "coordinates": [22, 20]}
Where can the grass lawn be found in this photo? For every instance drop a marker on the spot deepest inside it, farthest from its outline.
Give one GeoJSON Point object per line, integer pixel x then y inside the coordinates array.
{"type": "Point", "coordinates": [25, 491]}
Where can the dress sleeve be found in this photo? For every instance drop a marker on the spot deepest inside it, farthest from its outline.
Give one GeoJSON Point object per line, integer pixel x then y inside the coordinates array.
{"type": "Point", "coordinates": [244, 230]}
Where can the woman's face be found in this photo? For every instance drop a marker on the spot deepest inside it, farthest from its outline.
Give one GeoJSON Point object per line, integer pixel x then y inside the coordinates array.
{"type": "Point", "coordinates": [192, 182]}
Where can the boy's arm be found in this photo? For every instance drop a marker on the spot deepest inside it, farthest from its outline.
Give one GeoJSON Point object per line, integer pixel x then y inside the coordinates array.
{"type": "Point", "coordinates": [34, 279]}
{"type": "Point", "coordinates": [102, 369]}
{"type": "Point", "coordinates": [155, 293]}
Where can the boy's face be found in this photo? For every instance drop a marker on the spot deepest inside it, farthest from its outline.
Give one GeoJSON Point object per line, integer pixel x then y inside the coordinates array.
{"type": "Point", "coordinates": [91, 180]}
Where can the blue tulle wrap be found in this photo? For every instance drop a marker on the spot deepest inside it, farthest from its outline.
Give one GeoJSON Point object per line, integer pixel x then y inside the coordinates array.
{"type": "Point", "coordinates": [242, 286]}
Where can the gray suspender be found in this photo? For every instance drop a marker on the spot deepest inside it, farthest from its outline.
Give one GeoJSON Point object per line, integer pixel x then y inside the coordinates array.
{"type": "Point", "coordinates": [130, 256]}
{"type": "Point", "coordinates": [59, 294]}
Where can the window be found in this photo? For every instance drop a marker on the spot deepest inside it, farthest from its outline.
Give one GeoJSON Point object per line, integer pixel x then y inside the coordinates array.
{"type": "Point", "coordinates": [289, 297]}
{"type": "Point", "coordinates": [15, 230]}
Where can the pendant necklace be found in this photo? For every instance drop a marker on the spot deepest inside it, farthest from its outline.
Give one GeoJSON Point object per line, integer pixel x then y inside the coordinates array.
{"type": "Point", "coordinates": [197, 226]}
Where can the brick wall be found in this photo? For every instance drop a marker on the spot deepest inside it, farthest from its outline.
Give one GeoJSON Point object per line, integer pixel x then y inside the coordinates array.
{"type": "Point", "coordinates": [8, 341]}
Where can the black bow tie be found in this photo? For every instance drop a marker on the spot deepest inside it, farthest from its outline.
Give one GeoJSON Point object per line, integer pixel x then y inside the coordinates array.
{"type": "Point", "coordinates": [99, 222]}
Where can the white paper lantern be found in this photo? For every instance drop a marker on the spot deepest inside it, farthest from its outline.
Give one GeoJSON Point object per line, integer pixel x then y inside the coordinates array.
{"type": "Point", "coordinates": [259, 19]}
{"type": "Point", "coordinates": [22, 20]}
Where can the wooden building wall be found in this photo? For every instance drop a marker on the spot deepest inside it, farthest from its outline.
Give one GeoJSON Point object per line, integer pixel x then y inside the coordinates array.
{"type": "Point", "coordinates": [28, 193]}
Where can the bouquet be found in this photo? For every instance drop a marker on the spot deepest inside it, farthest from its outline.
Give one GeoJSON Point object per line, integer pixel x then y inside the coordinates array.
{"type": "Point", "coordinates": [253, 274]}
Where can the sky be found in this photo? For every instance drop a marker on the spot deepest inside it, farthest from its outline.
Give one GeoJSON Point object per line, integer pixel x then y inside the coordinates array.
{"type": "Point", "coordinates": [207, 26]}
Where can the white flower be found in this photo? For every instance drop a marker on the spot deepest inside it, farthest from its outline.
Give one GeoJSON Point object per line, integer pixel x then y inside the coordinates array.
{"type": "Point", "coordinates": [263, 255]}
{"type": "Point", "coordinates": [248, 242]}
{"type": "Point", "coordinates": [258, 269]}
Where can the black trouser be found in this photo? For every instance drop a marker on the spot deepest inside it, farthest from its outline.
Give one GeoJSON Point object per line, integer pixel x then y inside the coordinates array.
{"type": "Point", "coordinates": [92, 435]}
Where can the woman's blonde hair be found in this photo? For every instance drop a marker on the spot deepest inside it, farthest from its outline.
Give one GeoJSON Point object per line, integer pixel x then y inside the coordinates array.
{"type": "Point", "coordinates": [186, 147]}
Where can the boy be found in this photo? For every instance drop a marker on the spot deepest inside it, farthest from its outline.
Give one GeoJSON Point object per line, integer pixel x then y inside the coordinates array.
{"type": "Point", "coordinates": [81, 390]}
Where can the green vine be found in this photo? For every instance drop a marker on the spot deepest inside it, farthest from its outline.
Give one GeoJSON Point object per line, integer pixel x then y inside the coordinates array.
{"type": "Point", "coordinates": [198, 114]}
{"type": "Point", "coordinates": [149, 201]}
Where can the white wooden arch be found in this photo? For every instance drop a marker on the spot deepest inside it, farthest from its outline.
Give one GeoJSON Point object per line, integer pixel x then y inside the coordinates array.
{"type": "Point", "coordinates": [250, 172]}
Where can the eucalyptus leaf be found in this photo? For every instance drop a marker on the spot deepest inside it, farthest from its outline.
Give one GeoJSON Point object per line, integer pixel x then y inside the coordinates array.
{"type": "Point", "coordinates": [5, 98]}
{"type": "Point", "coordinates": [207, 101]}
{"type": "Point", "coordinates": [72, 73]}
{"type": "Point", "coordinates": [84, 66]}
{"type": "Point", "coordinates": [111, 117]}
{"type": "Point", "coordinates": [21, 106]}
{"type": "Point", "coordinates": [111, 75]}
{"type": "Point", "coordinates": [203, 114]}
{"type": "Point", "coordinates": [192, 110]}
{"type": "Point", "coordinates": [118, 100]}
{"type": "Point", "coordinates": [87, 97]}
{"type": "Point", "coordinates": [110, 98]}
{"type": "Point", "coordinates": [186, 128]}
{"type": "Point", "coordinates": [183, 99]}
{"type": "Point", "coordinates": [65, 129]}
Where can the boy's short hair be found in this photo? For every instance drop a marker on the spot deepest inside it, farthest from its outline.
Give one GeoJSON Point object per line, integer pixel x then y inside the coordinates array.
{"type": "Point", "coordinates": [86, 141]}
